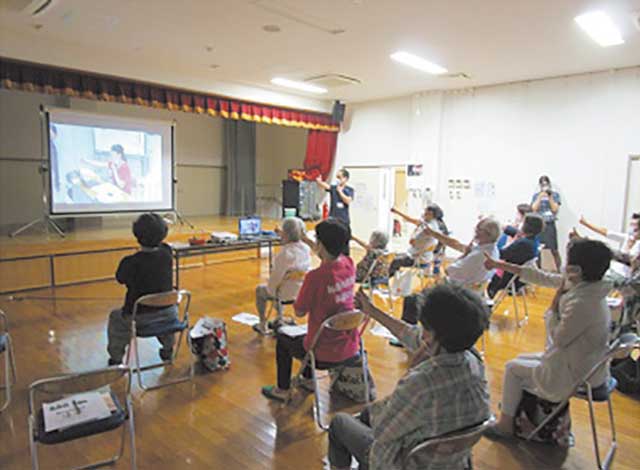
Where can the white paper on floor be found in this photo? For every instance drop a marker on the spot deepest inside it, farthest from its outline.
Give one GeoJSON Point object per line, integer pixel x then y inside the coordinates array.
{"type": "Point", "coordinates": [325, 461]}
{"type": "Point", "coordinates": [379, 330]}
{"type": "Point", "coordinates": [246, 318]}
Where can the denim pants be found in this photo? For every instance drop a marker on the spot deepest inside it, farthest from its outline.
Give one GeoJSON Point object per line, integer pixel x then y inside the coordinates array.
{"type": "Point", "coordinates": [119, 329]}
{"type": "Point", "coordinates": [349, 436]}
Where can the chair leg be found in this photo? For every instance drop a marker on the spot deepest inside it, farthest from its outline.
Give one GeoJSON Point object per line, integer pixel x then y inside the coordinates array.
{"type": "Point", "coordinates": [132, 435]}
{"type": "Point", "coordinates": [365, 369]}
{"type": "Point", "coordinates": [139, 369]}
{"type": "Point", "coordinates": [526, 308]}
{"type": "Point", "coordinates": [33, 446]}
{"type": "Point", "coordinates": [515, 305]}
{"type": "Point", "coordinates": [8, 383]}
{"type": "Point", "coordinates": [594, 431]}
{"type": "Point", "coordinates": [316, 392]}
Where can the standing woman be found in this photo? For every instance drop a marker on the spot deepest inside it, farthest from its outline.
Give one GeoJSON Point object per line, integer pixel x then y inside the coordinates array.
{"type": "Point", "coordinates": [546, 202]}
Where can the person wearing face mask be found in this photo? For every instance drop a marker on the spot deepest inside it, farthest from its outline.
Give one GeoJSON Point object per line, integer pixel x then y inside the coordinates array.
{"type": "Point", "coordinates": [444, 390]}
{"type": "Point", "coordinates": [469, 269]}
{"type": "Point", "coordinates": [577, 327]}
{"type": "Point", "coordinates": [421, 244]}
{"type": "Point", "coordinates": [629, 243]}
{"type": "Point", "coordinates": [546, 202]}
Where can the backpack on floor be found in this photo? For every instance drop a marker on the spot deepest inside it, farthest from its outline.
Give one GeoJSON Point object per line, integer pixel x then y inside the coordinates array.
{"type": "Point", "coordinates": [348, 380]}
{"type": "Point", "coordinates": [209, 343]}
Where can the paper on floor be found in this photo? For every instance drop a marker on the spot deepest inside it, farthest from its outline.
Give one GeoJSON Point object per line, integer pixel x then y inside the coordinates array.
{"type": "Point", "coordinates": [246, 318]}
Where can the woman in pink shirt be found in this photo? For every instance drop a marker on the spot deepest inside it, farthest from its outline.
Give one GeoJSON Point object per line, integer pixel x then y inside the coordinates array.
{"type": "Point", "coordinates": [326, 291]}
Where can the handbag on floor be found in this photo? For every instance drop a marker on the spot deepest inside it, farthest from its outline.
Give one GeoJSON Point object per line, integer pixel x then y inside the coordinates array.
{"type": "Point", "coordinates": [209, 343]}
{"type": "Point", "coordinates": [532, 410]}
{"type": "Point", "coordinates": [348, 380]}
{"type": "Point", "coordinates": [627, 372]}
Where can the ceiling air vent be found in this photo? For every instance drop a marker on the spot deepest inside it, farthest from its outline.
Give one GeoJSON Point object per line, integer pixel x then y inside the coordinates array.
{"type": "Point", "coordinates": [332, 80]}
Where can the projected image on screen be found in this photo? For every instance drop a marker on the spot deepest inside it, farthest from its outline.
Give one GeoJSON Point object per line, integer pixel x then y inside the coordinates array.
{"type": "Point", "coordinates": [106, 164]}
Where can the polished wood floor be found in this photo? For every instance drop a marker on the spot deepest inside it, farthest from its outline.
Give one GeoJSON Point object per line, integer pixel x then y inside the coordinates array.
{"type": "Point", "coordinates": [220, 421]}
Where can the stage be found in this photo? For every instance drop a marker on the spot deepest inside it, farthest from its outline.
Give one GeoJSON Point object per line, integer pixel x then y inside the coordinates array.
{"type": "Point", "coordinates": [35, 259]}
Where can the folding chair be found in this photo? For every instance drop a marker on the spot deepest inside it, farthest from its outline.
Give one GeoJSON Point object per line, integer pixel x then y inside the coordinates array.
{"type": "Point", "coordinates": [160, 300]}
{"type": "Point", "coordinates": [278, 302]}
{"type": "Point", "coordinates": [344, 321]}
{"type": "Point", "coordinates": [384, 259]}
{"type": "Point", "coordinates": [515, 292]}
{"type": "Point", "coordinates": [55, 388]}
{"type": "Point", "coordinates": [420, 267]}
{"type": "Point", "coordinates": [583, 389]}
{"type": "Point", "coordinates": [6, 348]}
{"type": "Point", "coordinates": [448, 444]}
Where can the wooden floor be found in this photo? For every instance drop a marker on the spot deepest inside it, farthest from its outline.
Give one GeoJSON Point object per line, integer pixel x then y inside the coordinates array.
{"type": "Point", "coordinates": [220, 421]}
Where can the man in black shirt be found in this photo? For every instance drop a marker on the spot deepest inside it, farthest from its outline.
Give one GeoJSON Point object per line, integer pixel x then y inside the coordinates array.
{"type": "Point", "coordinates": [341, 197]}
{"type": "Point", "coordinates": [148, 271]}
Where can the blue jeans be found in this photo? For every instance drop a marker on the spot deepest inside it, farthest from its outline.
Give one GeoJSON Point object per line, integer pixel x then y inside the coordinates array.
{"type": "Point", "coordinates": [119, 330]}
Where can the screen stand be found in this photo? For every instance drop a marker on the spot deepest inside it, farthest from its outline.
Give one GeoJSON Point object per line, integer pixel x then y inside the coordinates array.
{"type": "Point", "coordinates": [45, 220]}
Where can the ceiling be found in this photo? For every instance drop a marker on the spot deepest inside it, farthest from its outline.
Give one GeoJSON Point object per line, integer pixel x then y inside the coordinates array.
{"type": "Point", "coordinates": [177, 42]}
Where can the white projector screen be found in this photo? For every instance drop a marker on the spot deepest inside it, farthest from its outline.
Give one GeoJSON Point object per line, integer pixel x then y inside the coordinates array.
{"type": "Point", "coordinates": [101, 164]}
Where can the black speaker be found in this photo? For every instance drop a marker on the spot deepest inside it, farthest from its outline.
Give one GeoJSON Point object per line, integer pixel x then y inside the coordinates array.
{"type": "Point", "coordinates": [290, 195]}
{"type": "Point", "coordinates": [338, 111]}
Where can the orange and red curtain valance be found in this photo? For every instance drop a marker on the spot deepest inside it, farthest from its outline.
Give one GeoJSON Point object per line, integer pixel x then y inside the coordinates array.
{"type": "Point", "coordinates": [25, 76]}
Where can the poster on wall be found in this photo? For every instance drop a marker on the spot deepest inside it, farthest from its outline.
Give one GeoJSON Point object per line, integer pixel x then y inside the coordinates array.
{"type": "Point", "coordinates": [415, 177]}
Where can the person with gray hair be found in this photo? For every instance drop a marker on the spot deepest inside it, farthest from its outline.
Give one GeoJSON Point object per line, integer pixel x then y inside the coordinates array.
{"type": "Point", "coordinates": [376, 247]}
{"type": "Point", "coordinates": [469, 269]}
{"type": "Point", "coordinates": [294, 255]}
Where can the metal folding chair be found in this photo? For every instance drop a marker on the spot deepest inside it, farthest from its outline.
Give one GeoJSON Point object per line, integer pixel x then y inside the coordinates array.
{"type": "Point", "coordinates": [421, 267]}
{"type": "Point", "coordinates": [278, 302]}
{"type": "Point", "coordinates": [384, 259]}
{"type": "Point", "coordinates": [583, 389]}
{"type": "Point", "coordinates": [448, 444]}
{"type": "Point", "coordinates": [344, 321]}
{"type": "Point", "coordinates": [160, 300]}
{"type": "Point", "coordinates": [55, 388]}
{"type": "Point", "coordinates": [6, 348]}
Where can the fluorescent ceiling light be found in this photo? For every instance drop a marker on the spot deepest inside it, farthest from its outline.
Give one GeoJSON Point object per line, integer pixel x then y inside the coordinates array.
{"type": "Point", "coordinates": [418, 63]}
{"type": "Point", "coordinates": [298, 85]}
{"type": "Point", "coordinates": [600, 27]}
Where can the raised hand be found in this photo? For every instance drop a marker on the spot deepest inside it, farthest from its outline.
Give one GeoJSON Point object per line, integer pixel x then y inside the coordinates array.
{"type": "Point", "coordinates": [363, 302]}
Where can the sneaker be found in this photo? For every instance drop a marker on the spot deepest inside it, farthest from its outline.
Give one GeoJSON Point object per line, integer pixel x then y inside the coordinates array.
{"type": "Point", "coordinates": [272, 393]}
{"type": "Point", "coordinates": [396, 343]}
{"type": "Point", "coordinates": [113, 362]}
{"type": "Point", "coordinates": [166, 354]}
{"type": "Point", "coordinates": [261, 330]}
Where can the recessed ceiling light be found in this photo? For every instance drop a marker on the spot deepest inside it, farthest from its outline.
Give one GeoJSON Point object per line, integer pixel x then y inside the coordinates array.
{"type": "Point", "coordinates": [271, 28]}
{"type": "Point", "coordinates": [419, 63]}
{"type": "Point", "coordinates": [298, 85]}
{"type": "Point", "coordinates": [599, 26]}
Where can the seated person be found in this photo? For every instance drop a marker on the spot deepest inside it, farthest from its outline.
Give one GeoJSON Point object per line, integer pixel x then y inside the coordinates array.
{"type": "Point", "coordinates": [510, 230]}
{"type": "Point", "coordinates": [469, 269]}
{"type": "Point", "coordinates": [628, 243]}
{"type": "Point", "coordinates": [523, 249]}
{"type": "Point", "coordinates": [376, 247]}
{"type": "Point", "coordinates": [294, 255]}
{"type": "Point", "coordinates": [326, 291]}
{"type": "Point", "coordinates": [421, 244]}
{"type": "Point", "coordinates": [577, 325]}
{"type": "Point", "coordinates": [148, 271]}
{"type": "Point", "coordinates": [444, 390]}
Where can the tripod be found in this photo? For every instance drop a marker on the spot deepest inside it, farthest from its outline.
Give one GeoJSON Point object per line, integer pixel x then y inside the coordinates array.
{"type": "Point", "coordinates": [46, 219]}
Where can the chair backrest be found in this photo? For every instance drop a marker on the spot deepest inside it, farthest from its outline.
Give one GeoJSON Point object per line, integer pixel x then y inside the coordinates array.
{"type": "Point", "coordinates": [81, 382]}
{"type": "Point", "coordinates": [343, 321]}
{"type": "Point", "coordinates": [5, 322]}
{"type": "Point", "coordinates": [162, 300]}
{"type": "Point", "coordinates": [450, 443]}
{"type": "Point", "coordinates": [291, 276]}
{"type": "Point", "coordinates": [384, 259]}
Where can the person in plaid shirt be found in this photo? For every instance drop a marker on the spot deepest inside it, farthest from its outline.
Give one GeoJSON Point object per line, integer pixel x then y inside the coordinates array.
{"type": "Point", "coordinates": [445, 389]}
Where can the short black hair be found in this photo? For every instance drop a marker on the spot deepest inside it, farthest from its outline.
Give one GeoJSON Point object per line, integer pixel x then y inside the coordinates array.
{"type": "Point", "coordinates": [456, 315]}
{"type": "Point", "coordinates": [523, 208]}
{"type": "Point", "coordinates": [635, 215]}
{"type": "Point", "coordinates": [593, 257]}
{"type": "Point", "coordinates": [436, 210]}
{"type": "Point", "coordinates": [334, 235]}
{"type": "Point", "coordinates": [150, 229]}
{"type": "Point", "coordinates": [533, 224]}
{"type": "Point", "coordinates": [344, 172]}
{"type": "Point", "coordinates": [544, 178]}
{"type": "Point", "coordinates": [119, 149]}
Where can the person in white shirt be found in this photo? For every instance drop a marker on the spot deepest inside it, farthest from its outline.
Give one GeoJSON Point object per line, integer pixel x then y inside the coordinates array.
{"type": "Point", "coordinates": [469, 269]}
{"type": "Point", "coordinates": [294, 255]}
{"type": "Point", "coordinates": [421, 244]}
{"type": "Point", "coordinates": [629, 243]}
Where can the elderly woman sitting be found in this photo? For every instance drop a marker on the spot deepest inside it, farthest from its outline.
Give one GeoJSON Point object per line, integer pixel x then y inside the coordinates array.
{"type": "Point", "coordinates": [294, 255]}
{"type": "Point", "coordinates": [376, 247]}
{"type": "Point", "coordinates": [445, 389]}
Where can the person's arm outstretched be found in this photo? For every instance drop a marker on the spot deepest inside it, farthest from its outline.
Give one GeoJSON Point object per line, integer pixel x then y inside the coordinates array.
{"type": "Point", "coordinates": [406, 217]}
{"type": "Point", "coordinates": [599, 230]}
{"type": "Point", "coordinates": [323, 184]}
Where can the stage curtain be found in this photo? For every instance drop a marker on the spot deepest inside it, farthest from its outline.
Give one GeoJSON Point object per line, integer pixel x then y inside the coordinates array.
{"type": "Point", "coordinates": [26, 76]}
{"type": "Point", "coordinates": [240, 160]}
{"type": "Point", "coordinates": [321, 150]}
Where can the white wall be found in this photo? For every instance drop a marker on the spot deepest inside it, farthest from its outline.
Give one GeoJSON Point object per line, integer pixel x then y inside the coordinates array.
{"type": "Point", "coordinates": [578, 130]}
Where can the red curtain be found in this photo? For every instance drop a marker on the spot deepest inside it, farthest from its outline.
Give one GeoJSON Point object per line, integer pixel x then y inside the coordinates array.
{"type": "Point", "coordinates": [321, 150]}
{"type": "Point", "coordinates": [32, 77]}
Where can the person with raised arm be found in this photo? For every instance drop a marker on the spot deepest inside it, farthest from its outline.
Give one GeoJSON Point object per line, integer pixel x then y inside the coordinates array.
{"type": "Point", "coordinates": [577, 326]}
{"type": "Point", "coordinates": [375, 248]}
{"type": "Point", "coordinates": [546, 202]}
{"type": "Point", "coordinates": [444, 390]}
